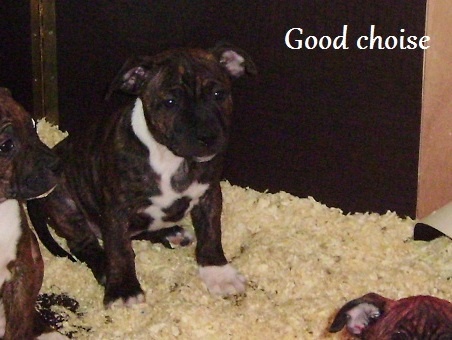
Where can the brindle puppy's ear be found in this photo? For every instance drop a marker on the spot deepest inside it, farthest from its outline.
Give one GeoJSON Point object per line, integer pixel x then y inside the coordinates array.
{"type": "Point", "coordinates": [133, 75]}
{"type": "Point", "coordinates": [235, 60]}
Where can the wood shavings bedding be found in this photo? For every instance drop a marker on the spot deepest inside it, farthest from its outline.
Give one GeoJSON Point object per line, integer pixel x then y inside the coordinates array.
{"type": "Point", "coordinates": [303, 261]}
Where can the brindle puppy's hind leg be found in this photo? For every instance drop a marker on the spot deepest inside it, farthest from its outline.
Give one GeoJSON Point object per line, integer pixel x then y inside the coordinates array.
{"type": "Point", "coordinates": [71, 224]}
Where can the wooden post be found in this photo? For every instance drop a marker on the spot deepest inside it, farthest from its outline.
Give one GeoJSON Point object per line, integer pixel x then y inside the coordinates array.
{"type": "Point", "coordinates": [44, 60]}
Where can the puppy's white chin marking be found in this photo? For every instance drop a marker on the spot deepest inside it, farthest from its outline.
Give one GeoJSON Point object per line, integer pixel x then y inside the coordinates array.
{"type": "Point", "coordinates": [205, 158]}
{"type": "Point", "coordinates": [222, 280]}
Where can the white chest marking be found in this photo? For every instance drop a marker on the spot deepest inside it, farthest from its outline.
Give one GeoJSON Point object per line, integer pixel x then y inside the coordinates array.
{"type": "Point", "coordinates": [165, 164]}
{"type": "Point", "coordinates": [10, 235]}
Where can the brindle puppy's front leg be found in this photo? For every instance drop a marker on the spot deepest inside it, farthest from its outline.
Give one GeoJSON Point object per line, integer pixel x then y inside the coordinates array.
{"type": "Point", "coordinates": [122, 282]}
{"type": "Point", "coordinates": [215, 271]}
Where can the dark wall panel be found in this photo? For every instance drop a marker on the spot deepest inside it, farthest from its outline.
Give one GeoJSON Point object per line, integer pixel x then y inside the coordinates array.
{"type": "Point", "coordinates": [339, 125]}
{"type": "Point", "coordinates": [15, 50]}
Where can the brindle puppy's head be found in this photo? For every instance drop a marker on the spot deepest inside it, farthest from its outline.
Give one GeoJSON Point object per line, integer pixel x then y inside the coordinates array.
{"type": "Point", "coordinates": [26, 165]}
{"type": "Point", "coordinates": [186, 96]}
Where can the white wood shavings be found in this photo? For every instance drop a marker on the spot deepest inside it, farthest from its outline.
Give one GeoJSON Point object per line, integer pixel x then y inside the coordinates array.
{"type": "Point", "coordinates": [303, 260]}
{"type": "Point", "coordinates": [49, 133]}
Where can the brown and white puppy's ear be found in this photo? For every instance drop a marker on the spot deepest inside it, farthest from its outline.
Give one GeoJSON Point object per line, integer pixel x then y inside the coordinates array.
{"type": "Point", "coordinates": [360, 313]}
{"type": "Point", "coordinates": [132, 76]}
{"type": "Point", "coordinates": [235, 60]}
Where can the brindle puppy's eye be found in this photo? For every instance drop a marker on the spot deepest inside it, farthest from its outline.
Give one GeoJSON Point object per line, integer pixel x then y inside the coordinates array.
{"type": "Point", "coordinates": [169, 103]}
{"type": "Point", "coordinates": [7, 146]}
{"type": "Point", "coordinates": [219, 95]}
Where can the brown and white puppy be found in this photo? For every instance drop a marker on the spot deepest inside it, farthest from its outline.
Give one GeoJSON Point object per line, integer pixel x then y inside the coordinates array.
{"type": "Point", "coordinates": [153, 162]}
{"type": "Point", "coordinates": [374, 317]}
{"type": "Point", "coordinates": [26, 172]}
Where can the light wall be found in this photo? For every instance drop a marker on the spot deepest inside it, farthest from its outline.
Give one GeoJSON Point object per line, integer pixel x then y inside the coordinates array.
{"type": "Point", "coordinates": [435, 163]}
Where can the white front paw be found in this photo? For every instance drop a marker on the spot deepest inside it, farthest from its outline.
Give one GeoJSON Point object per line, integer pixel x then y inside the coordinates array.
{"type": "Point", "coordinates": [52, 336]}
{"type": "Point", "coordinates": [222, 280]}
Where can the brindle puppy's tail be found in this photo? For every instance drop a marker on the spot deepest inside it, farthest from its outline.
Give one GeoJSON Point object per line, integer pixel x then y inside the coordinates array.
{"type": "Point", "coordinates": [39, 223]}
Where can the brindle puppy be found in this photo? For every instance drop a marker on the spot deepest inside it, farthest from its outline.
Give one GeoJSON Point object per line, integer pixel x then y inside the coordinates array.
{"type": "Point", "coordinates": [152, 163]}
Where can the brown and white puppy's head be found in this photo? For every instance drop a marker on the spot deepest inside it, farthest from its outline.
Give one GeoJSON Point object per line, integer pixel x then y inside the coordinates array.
{"type": "Point", "coordinates": [373, 317]}
{"type": "Point", "coordinates": [27, 166]}
{"type": "Point", "coordinates": [185, 95]}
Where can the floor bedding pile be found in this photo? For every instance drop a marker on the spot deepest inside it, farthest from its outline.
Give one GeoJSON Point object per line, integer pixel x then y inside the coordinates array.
{"type": "Point", "coordinates": [303, 261]}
